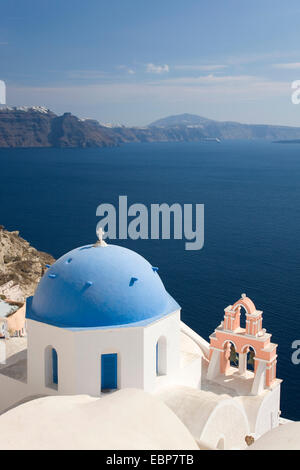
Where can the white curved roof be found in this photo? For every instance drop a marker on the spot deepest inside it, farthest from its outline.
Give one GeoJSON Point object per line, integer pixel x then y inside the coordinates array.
{"type": "Point", "coordinates": [189, 350]}
{"type": "Point", "coordinates": [192, 406]}
{"type": "Point", "coordinates": [127, 419]}
{"type": "Point", "coordinates": [208, 416]}
{"type": "Point", "coordinates": [201, 343]}
{"type": "Point", "coordinates": [284, 437]}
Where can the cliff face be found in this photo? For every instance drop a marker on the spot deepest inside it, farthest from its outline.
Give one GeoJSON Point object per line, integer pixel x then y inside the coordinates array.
{"type": "Point", "coordinates": [20, 128]}
{"type": "Point", "coordinates": [20, 264]}
{"type": "Point", "coordinates": [39, 127]}
{"type": "Point", "coordinates": [69, 131]}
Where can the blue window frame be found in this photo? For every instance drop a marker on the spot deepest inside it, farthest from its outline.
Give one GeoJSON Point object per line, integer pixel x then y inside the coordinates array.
{"type": "Point", "coordinates": [109, 371]}
{"type": "Point", "coordinates": [54, 367]}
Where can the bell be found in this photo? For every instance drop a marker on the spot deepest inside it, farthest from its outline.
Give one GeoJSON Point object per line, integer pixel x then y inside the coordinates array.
{"type": "Point", "coordinates": [233, 356]}
{"type": "Point", "coordinates": [251, 358]}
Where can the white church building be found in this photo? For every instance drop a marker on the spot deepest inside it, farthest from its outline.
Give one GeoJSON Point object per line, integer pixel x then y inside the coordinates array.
{"type": "Point", "coordinates": [102, 320]}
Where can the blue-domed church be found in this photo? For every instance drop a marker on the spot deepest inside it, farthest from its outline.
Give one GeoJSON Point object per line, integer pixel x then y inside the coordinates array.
{"type": "Point", "coordinates": [101, 319]}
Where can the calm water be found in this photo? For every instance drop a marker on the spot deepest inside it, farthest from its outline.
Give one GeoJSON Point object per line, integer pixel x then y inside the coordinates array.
{"type": "Point", "coordinates": [251, 194]}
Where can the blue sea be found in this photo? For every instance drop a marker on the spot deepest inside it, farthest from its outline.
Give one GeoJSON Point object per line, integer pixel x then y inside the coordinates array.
{"type": "Point", "coordinates": [251, 192]}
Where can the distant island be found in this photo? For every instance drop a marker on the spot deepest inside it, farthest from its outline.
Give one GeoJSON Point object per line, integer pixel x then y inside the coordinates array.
{"type": "Point", "coordinates": [40, 127]}
{"type": "Point", "coordinates": [294, 141]}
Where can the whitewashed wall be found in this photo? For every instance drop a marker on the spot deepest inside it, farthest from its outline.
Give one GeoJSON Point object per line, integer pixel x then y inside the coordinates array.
{"type": "Point", "coordinates": [79, 355]}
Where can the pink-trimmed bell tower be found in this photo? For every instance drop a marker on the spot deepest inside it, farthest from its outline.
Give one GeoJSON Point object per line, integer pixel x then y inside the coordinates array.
{"type": "Point", "coordinates": [230, 340]}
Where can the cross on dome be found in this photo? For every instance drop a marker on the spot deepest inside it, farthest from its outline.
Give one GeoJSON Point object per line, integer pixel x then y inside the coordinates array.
{"type": "Point", "coordinates": [100, 232]}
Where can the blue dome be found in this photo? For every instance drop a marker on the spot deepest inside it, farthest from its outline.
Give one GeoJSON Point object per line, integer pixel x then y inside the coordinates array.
{"type": "Point", "coordinates": [100, 286]}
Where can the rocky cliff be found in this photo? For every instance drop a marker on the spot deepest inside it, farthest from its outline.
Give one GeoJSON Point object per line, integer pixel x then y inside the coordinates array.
{"type": "Point", "coordinates": [40, 127]}
{"type": "Point", "coordinates": [20, 264]}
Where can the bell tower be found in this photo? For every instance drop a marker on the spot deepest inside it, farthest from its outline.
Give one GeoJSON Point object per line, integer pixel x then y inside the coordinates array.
{"type": "Point", "coordinates": [243, 352]}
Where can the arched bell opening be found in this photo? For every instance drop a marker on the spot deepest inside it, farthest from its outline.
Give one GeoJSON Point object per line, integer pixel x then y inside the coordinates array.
{"type": "Point", "coordinates": [241, 316]}
{"type": "Point", "coordinates": [247, 360]}
{"type": "Point", "coordinates": [250, 359]}
{"type": "Point", "coordinates": [230, 357]}
{"type": "Point", "coordinates": [243, 313]}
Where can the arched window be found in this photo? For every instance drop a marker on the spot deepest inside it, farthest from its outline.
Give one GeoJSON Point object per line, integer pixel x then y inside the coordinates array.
{"type": "Point", "coordinates": [161, 356]}
{"type": "Point", "coordinates": [51, 367]}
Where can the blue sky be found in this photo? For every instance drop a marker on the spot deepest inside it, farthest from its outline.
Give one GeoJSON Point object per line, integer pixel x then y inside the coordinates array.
{"type": "Point", "coordinates": [134, 61]}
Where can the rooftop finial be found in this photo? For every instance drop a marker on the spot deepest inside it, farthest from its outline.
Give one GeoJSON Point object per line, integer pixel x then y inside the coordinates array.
{"type": "Point", "coordinates": [100, 233]}
{"type": "Point", "coordinates": [244, 296]}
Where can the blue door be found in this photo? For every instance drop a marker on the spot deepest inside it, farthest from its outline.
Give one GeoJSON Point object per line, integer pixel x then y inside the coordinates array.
{"type": "Point", "coordinates": [54, 367]}
{"type": "Point", "coordinates": [109, 371]}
